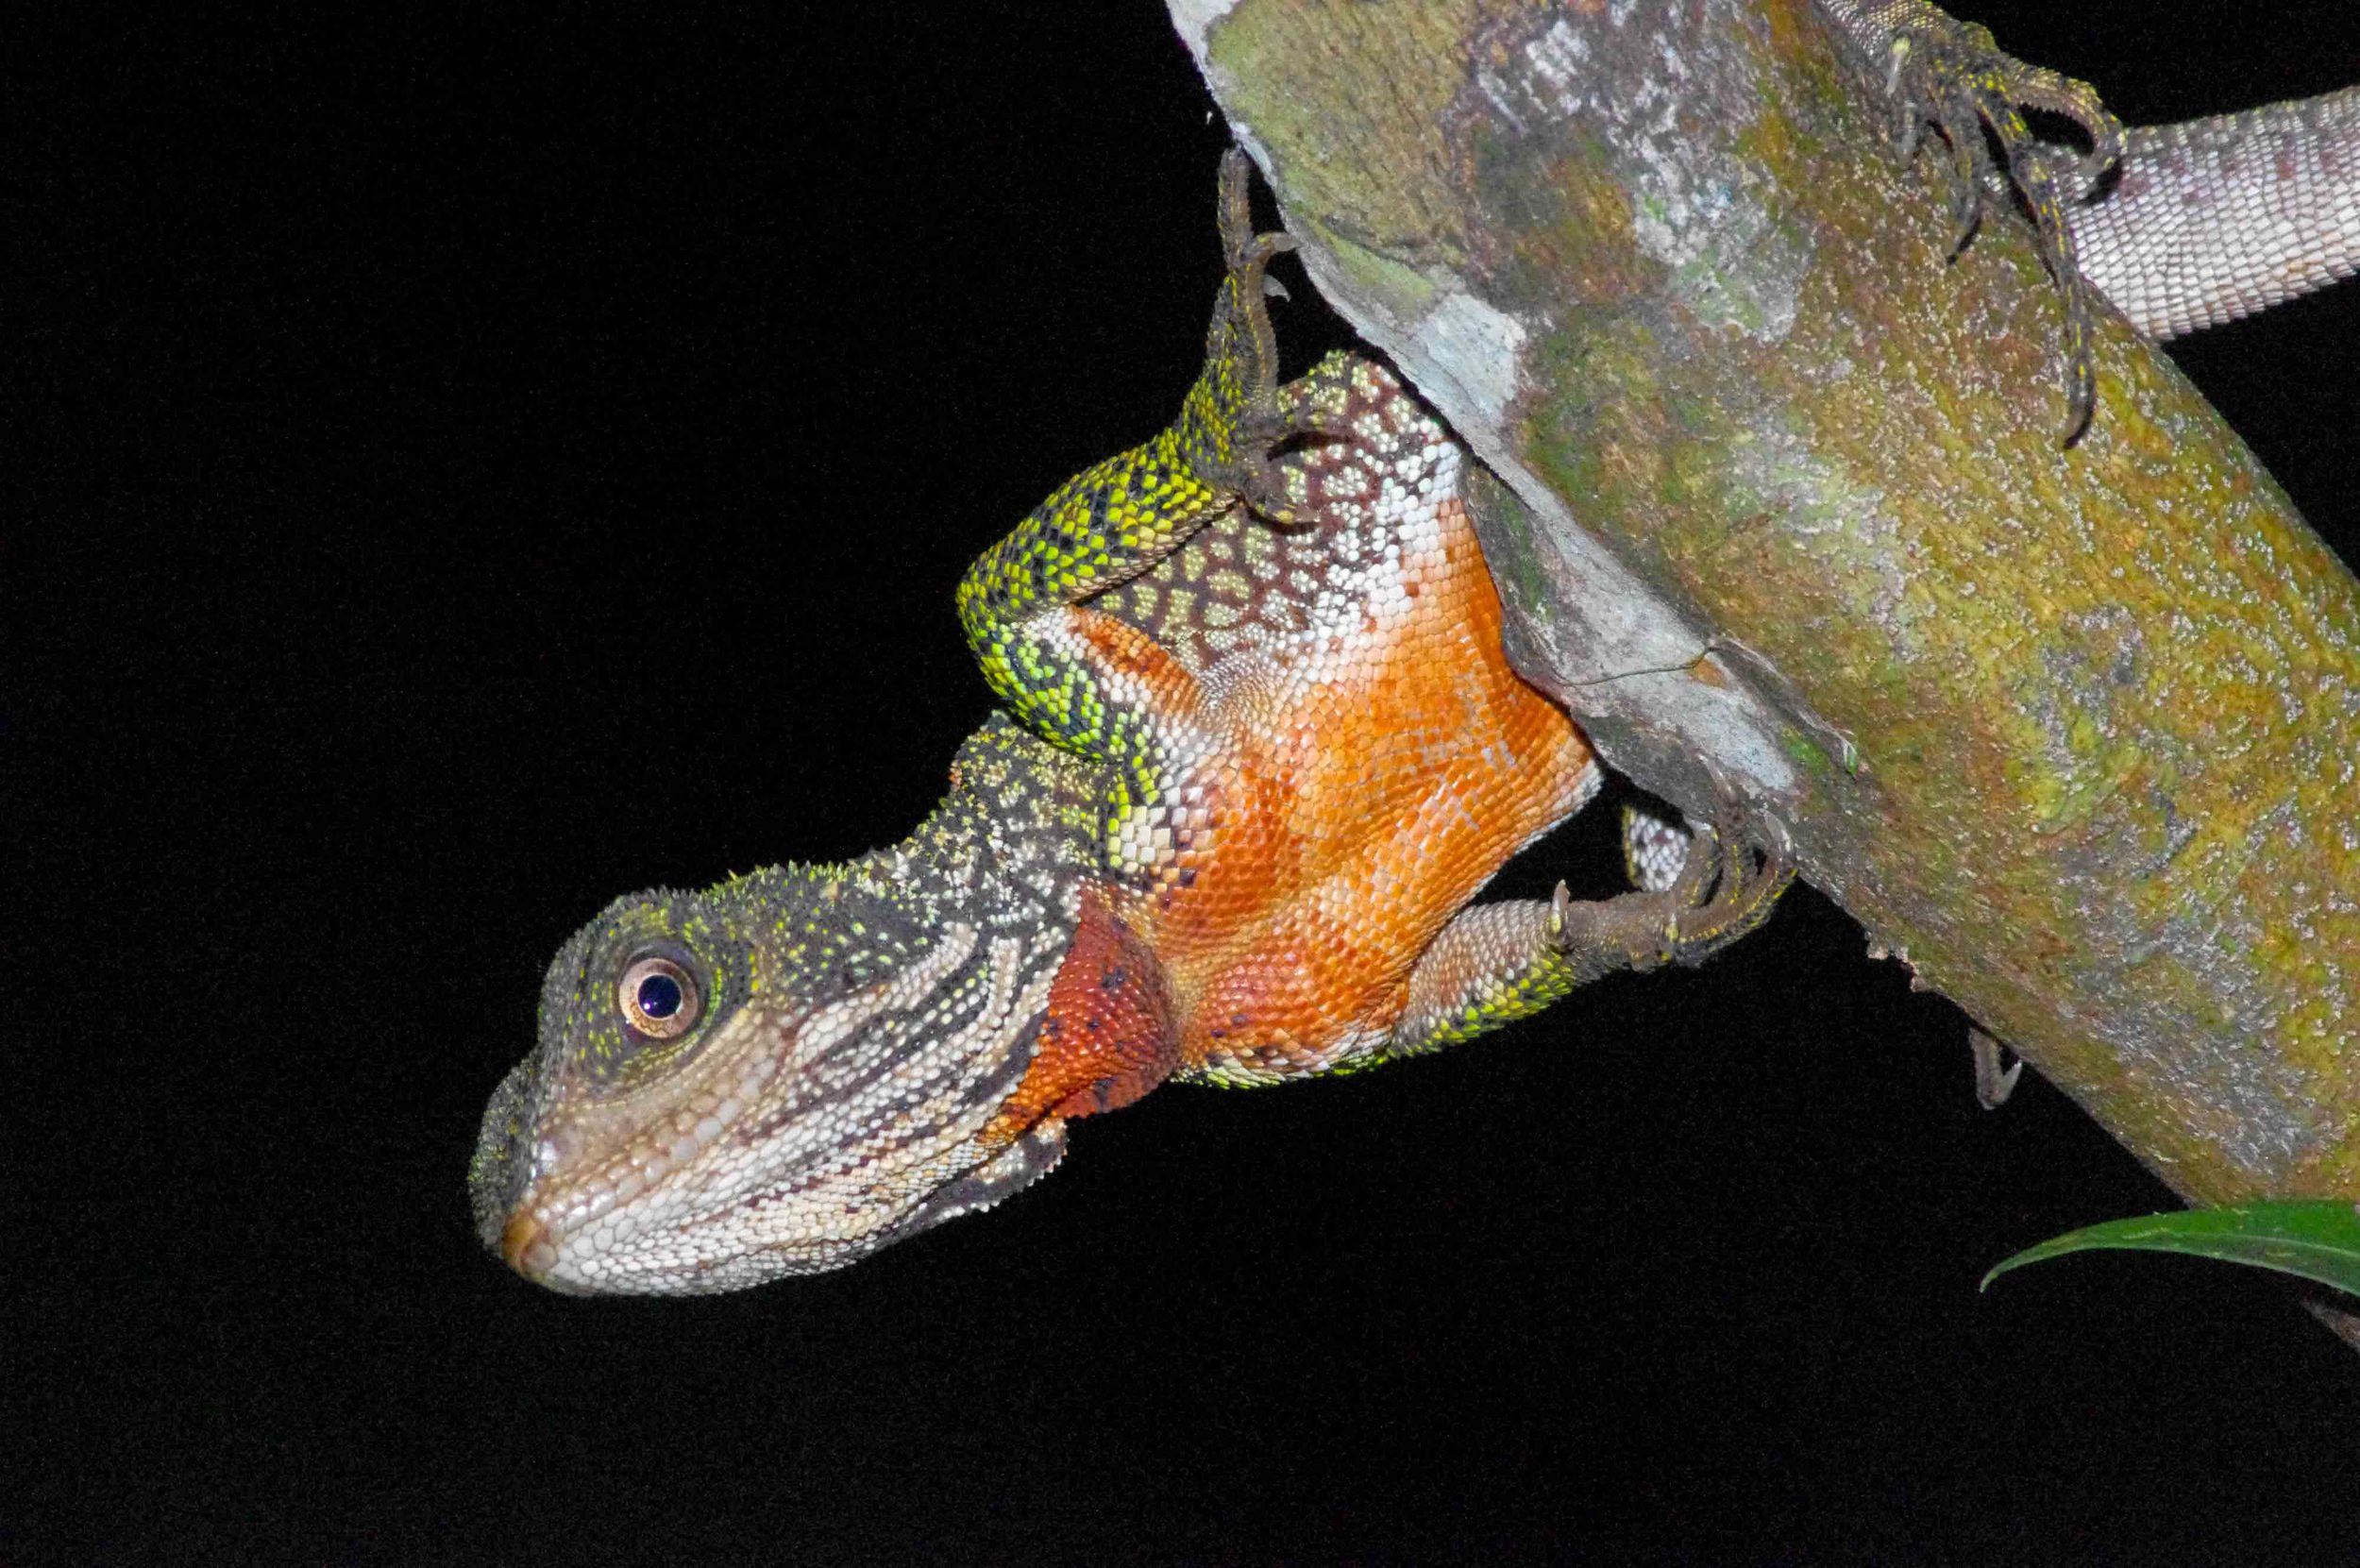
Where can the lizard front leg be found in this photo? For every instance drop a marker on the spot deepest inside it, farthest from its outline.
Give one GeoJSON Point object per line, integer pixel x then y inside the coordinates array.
{"type": "Point", "coordinates": [1078, 678]}
{"type": "Point", "coordinates": [1495, 962]}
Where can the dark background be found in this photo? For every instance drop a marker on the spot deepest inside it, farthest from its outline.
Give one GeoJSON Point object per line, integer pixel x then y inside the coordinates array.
{"type": "Point", "coordinates": [475, 470]}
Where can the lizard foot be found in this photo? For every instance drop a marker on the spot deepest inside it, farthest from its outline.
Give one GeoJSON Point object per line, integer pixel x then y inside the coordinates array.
{"type": "Point", "coordinates": [1726, 888]}
{"type": "Point", "coordinates": [1265, 415]}
{"type": "Point", "coordinates": [1257, 469]}
{"type": "Point", "coordinates": [1954, 76]}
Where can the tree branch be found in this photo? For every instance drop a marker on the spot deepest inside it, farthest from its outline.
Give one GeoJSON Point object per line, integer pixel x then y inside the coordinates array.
{"type": "Point", "coordinates": [2073, 731]}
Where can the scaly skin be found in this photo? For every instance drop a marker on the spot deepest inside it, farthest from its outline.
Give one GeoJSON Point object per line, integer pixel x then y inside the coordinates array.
{"type": "Point", "coordinates": [2215, 219]}
{"type": "Point", "coordinates": [1271, 766]}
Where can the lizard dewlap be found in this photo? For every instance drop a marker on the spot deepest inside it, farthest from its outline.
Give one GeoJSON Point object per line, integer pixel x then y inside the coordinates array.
{"type": "Point", "coordinates": [1261, 748]}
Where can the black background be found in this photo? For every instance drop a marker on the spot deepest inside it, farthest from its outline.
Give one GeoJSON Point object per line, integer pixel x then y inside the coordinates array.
{"type": "Point", "coordinates": [478, 470]}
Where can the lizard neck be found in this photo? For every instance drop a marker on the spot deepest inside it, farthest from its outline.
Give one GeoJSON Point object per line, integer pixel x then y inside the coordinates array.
{"type": "Point", "coordinates": [1010, 845]}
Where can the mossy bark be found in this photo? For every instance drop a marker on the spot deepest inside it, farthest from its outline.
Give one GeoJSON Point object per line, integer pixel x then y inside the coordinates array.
{"type": "Point", "coordinates": [2074, 731]}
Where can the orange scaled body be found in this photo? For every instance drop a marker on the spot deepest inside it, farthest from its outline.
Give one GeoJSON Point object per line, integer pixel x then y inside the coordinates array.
{"type": "Point", "coordinates": [1348, 758]}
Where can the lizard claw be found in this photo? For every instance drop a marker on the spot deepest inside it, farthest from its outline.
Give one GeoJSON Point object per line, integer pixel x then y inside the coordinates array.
{"type": "Point", "coordinates": [1262, 415]}
{"type": "Point", "coordinates": [1246, 303]}
{"type": "Point", "coordinates": [1743, 892]}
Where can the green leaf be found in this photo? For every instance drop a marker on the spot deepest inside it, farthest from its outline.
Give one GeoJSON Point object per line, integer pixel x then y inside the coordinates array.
{"type": "Point", "coordinates": [2315, 1240]}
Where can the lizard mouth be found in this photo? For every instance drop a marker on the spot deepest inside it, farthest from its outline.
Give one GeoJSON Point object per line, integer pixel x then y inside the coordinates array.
{"type": "Point", "coordinates": [524, 1246]}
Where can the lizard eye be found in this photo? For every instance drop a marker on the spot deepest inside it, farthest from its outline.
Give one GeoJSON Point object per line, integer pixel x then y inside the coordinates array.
{"type": "Point", "coordinates": [658, 998]}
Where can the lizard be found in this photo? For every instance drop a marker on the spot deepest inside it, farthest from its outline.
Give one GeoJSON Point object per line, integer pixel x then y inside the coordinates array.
{"type": "Point", "coordinates": [1259, 749]}
{"type": "Point", "coordinates": [876, 944]}
{"type": "Point", "coordinates": [2178, 226]}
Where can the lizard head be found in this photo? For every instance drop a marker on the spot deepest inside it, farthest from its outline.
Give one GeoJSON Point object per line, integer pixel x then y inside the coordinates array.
{"type": "Point", "coordinates": [777, 1076]}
